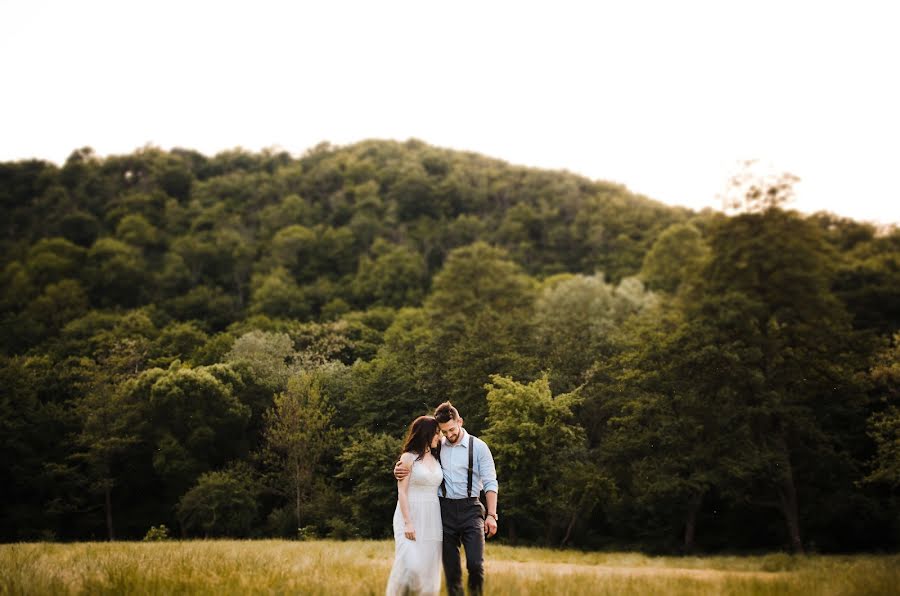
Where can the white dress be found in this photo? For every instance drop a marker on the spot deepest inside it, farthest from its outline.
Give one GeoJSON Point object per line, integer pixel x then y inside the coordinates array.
{"type": "Point", "coordinates": [417, 563]}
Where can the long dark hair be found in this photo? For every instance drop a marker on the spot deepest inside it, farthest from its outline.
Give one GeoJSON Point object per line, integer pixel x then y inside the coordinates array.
{"type": "Point", "coordinates": [421, 432]}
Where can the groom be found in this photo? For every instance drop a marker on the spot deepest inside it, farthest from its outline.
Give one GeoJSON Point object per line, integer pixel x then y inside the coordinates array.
{"type": "Point", "coordinates": [468, 469]}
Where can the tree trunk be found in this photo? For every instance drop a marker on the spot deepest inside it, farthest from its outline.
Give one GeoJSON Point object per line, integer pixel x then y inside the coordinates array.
{"type": "Point", "coordinates": [109, 519]}
{"type": "Point", "coordinates": [571, 525]}
{"type": "Point", "coordinates": [297, 494]}
{"type": "Point", "coordinates": [787, 496]}
{"type": "Point", "coordinates": [511, 532]}
{"type": "Point", "coordinates": [690, 522]}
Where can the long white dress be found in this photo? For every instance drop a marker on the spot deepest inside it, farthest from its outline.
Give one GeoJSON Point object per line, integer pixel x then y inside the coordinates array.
{"type": "Point", "coordinates": [417, 563]}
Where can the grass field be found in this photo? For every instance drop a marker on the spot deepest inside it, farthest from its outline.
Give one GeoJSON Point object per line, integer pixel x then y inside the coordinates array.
{"type": "Point", "coordinates": [326, 567]}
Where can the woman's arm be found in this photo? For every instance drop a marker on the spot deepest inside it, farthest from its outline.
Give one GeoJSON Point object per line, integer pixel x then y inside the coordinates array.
{"type": "Point", "coordinates": [406, 461]}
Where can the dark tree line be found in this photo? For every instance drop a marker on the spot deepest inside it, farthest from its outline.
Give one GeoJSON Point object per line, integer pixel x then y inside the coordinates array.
{"type": "Point", "coordinates": [233, 346]}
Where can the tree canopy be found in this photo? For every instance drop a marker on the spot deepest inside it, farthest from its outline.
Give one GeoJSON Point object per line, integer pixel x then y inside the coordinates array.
{"type": "Point", "coordinates": [233, 345]}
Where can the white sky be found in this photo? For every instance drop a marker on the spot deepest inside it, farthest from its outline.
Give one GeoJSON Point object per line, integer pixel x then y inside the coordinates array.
{"type": "Point", "coordinates": [662, 96]}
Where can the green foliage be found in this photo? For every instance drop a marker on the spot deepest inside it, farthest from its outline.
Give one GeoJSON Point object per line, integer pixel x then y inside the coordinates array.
{"type": "Point", "coordinates": [277, 295]}
{"type": "Point", "coordinates": [157, 534]}
{"type": "Point", "coordinates": [178, 341]}
{"type": "Point", "coordinates": [541, 451]}
{"type": "Point", "coordinates": [394, 276]}
{"type": "Point", "coordinates": [574, 319]}
{"type": "Point", "coordinates": [220, 504]}
{"type": "Point", "coordinates": [198, 422]}
{"type": "Point", "coordinates": [154, 304]}
{"type": "Point", "coordinates": [54, 259]}
{"type": "Point", "coordinates": [268, 357]}
{"type": "Point", "coordinates": [884, 425]}
{"type": "Point", "coordinates": [675, 258]}
{"type": "Point", "coordinates": [116, 272]}
{"type": "Point", "coordinates": [298, 433]}
{"type": "Point", "coordinates": [366, 463]}
{"type": "Point", "coordinates": [479, 312]}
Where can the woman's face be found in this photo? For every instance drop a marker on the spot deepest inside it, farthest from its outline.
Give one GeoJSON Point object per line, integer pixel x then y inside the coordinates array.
{"type": "Point", "coordinates": [436, 439]}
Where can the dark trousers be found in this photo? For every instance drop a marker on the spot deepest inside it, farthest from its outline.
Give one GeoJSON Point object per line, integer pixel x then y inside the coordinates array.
{"type": "Point", "coordinates": [463, 525]}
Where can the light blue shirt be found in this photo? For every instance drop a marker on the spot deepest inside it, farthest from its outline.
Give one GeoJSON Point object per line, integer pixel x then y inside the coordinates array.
{"type": "Point", "coordinates": [455, 463]}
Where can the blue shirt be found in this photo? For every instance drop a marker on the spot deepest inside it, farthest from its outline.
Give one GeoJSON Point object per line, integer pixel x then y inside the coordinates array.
{"type": "Point", "coordinates": [455, 463]}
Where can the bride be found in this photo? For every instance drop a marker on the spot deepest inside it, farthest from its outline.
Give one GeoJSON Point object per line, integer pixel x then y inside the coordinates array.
{"type": "Point", "coordinates": [417, 518]}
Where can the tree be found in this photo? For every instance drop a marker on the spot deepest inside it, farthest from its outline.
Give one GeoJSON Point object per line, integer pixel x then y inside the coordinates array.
{"type": "Point", "coordinates": [673, 428]}
{"type": "Point", "coordinates": [178, 341]}
{"type": "Point", "coordinates": [396, 276]}
{"type": "Point", "coordinates": [110, 420]}
{"type": "Point", "coordinates": [676, 257]}
{"type": "Point", "coordinates": [58, 304]}
{"type": "Point", "coordinates": [294, 248]}
{"type": "Point", "coordinates": [574, 318]}
{"type": "Point", "coordinates": [80, 227]}
{"type": "Point", "coordinates": [107, 434]}
{"type": "Point", "coordinates": [297, 434]}
{"type": "Point", "coordinates": [884, 424]}
{"type": "Point", "coordinates": [385, 391]}
{"type": "Point", "coordinates": [54, 259]}
{"type": "Point", "coordinates": [210, 305]}
{"type": "Point", "coordinates": [754, 189]}
{"type": "Point", "coordinates": [198, 422]}
{"type": "Point", "coordinates": [220, 504]}
{"type": "Point", "coordinates": [479, 311]}
{"type": "Point", "coordinates": [541, 452]}
{"type": "Point", "coordinates": [767, 288]}
{"type": "Point", "coordinates": [276, 294]}
{"type": "Point", "coordinates": [117, 273]}
{"type": "Point", "coordinates": [268, 357]}
{"type": "Point", "coordinates": [371, 491]}
{"type": "Point", "coordinates": [31, 427]}
{"type": "Point", "coordinates": [137, 231]}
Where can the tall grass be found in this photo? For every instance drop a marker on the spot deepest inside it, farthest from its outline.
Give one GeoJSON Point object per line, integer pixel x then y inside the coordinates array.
{"type": "Point", "coordinates": [360, 567]}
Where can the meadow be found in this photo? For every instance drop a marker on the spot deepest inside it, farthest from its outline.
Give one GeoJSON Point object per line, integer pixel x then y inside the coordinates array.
{"type": "Point", "coordinates": [362, 567]}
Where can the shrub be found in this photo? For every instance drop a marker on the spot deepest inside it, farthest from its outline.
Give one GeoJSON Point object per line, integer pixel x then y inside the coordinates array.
{"type": "Point", "coordinates": [157, 533]}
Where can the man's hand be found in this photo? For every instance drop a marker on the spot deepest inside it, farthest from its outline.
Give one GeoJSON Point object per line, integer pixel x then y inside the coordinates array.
{"type": "Point", "coordinates": [490, 526]}
{"type": "Point", "coordinates": [400, 472]}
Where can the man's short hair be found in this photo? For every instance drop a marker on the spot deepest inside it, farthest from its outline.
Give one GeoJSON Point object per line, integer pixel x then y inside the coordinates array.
{"type": "Point", "coordinates": [445, 413]}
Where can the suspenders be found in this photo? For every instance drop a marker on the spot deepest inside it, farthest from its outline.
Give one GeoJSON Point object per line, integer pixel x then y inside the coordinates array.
{"type": "Point", "coordinates": [471, 455]}
{"type": "Point", "coordinates": [469, 479]}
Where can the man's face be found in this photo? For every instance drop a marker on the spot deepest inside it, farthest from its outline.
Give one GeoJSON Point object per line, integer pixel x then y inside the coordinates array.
{"type": "Point", "coordinates": [452, 429]}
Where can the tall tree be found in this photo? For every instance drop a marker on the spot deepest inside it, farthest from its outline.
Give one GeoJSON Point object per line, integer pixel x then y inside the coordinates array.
{"type": "Point", "coordinates": [574, 319]}
{"type": "Point", "coordinates": [884, 424]}
{"type": "Point", "coordinates": [480, 311]}
{"type": "Point", "coordinates": [298, 432]}
{"type": "Point", "coordinates": [676, 257]}
{"type": "Point", "coordinates": [111, 422]}
{"type": "Point", "coordinates": [769, 273]}
{"type": "Point", "coordinates": [540, 452]}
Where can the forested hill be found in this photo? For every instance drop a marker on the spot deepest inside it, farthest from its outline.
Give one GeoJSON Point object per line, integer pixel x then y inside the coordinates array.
{"type": "Point", "coordinates": [233, 346]}
{"type": "Point", "coordinates": [349, 202]}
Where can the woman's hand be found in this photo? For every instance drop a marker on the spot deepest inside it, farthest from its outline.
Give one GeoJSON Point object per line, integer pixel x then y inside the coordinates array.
{"type": "Point", "coordinates": [409, 531]}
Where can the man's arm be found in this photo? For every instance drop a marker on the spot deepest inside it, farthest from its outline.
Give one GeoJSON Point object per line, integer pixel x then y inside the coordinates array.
{"type": "Point", "coordinates": [491, 504]}
{"type": "Point", "coordinates": [488, 474]}
{"type": "Point", "coordinates": [400, 471]}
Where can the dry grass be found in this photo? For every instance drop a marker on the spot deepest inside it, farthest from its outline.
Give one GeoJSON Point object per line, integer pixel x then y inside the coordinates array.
{"type": "Point", "coordinates": [362, 567]}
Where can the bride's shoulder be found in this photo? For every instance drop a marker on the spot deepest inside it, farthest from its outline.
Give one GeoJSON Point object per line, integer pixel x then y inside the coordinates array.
{"type": "Point", "coordinates": [407, 459]}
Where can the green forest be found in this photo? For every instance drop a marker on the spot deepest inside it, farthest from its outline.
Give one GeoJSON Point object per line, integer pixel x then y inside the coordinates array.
{"type": "Point", "coordinates": [235, 345]}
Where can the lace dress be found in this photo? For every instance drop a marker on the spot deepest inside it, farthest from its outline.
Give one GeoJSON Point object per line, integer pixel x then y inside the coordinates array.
{"type": "Point", "coordinates": [417, 563]}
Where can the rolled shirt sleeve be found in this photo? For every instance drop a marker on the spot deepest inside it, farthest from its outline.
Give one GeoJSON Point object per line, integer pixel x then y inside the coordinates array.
{"type": "Point", "coordinates": [486, 470]}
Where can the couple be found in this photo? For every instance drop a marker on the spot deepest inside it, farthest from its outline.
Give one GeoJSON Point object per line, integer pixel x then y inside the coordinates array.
{"type": "Point", "coordinates": [457, 467]}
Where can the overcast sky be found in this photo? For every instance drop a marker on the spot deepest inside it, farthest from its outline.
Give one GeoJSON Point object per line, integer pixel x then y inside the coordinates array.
{"type": "Point", "coordinates": [664, 97]}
